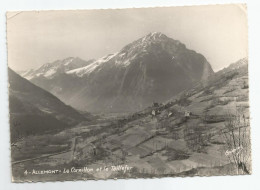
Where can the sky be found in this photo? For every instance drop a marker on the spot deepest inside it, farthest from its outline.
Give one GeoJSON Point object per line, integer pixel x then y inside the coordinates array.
{"type": "Point", "coordinates": [34, 38]}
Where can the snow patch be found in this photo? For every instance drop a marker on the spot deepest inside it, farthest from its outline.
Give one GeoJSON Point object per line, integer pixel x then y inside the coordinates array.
{"type": "Point", "coordinates": [84, 70]}
{"type": "Point", "coordinates": [68, 61]}
{"type": "Point", "coordinates": [124, 63]}
{"type": "Point", "coordinates": [122, 55]}
{"type": "Point", "coordinates": [27, 72]}
{"type": "Point", "coordinates": [28, 77]}
{"type": "Point", "coordinates": [144, 38]}
{"type": "Point", "coordinates": [91, 67]}
{"type": "Point", "coordinates": [39, 74]}
{"type": "Point", "coordinates": [154, 34]}
{"type": "Point", "coordinates": [50, 72]}
{"type": "Point", "coordinates": [107, 58]}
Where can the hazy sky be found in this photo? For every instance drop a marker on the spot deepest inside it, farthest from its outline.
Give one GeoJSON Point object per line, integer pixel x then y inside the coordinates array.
{"type": "Point", "coordinates": [219, 32]}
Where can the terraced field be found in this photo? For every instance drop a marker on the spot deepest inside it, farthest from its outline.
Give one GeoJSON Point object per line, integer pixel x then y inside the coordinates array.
{"type": "Point", "coordinates": [168, 143]}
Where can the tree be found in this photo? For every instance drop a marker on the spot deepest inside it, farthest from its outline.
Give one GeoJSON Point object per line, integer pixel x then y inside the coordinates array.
{"type": "Point", "coordinates": [237, 140]}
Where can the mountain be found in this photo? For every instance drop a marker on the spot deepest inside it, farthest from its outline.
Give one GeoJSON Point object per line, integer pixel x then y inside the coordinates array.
{"type": "Point", "coordinates": [150, 69]}
{"type": "Point", "coordinates": [36, 111]}
{"type": "Point", "coordinates": [234, 66]}
{"type": "Point", "coordinates": [53, 69]}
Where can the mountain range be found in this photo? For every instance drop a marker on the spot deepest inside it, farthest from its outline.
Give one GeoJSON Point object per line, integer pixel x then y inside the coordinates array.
{"type": "Point", "coordinates": [151, 69]}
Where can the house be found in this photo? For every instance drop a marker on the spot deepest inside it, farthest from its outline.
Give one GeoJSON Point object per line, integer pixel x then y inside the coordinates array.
{"type": "Point", "coordinates": [187, 113]}
{"type": "Point", "coordinates": [155, 104]}
{"type": "Point", "coordinates": [155, 112]}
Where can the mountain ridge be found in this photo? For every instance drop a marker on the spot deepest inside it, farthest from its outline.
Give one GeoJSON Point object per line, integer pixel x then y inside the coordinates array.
{"type": "Point", "coordinates": [49, 70]}
{"type": "Point", "coordinates": [151, 69]}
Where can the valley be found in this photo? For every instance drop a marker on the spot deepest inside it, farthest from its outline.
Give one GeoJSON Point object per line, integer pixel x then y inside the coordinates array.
{"type": "Point", "coordinates": [184, 135]}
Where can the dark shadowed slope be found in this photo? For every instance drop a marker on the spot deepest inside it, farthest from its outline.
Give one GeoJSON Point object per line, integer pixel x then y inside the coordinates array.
{"type": "Point", "coordinates": [35, 111]}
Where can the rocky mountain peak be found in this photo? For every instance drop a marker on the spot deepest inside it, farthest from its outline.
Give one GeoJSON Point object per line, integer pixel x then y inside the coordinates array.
{"type": "Point", "coordinates": [155, 36]}
{"type": "Point", "coordinates": [154, 42]}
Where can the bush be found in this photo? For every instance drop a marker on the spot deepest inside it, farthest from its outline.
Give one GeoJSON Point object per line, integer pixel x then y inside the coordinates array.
{"type": "Point", "coordinates": [207, 91]}
{"type": "Point", "coordinates": [242, 98]}
{"type": "Point", "coordinates": [245, 85]}
{"type": "Point", "coordinates": [197, 138]}
{"type": "Point", "coordinates": [214, 118]}
{"type": "Point", "coordinates": [231, 75]}
{"type": "Point", "coordinates": [183, 101]}
{"type": "Point", "coordinates": [173, 154]}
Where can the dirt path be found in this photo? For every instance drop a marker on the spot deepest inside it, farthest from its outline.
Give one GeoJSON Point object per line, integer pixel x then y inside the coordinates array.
{"type": "Point", "coordinates": [39, 157]}
{"type": "Point", "coordinates": [49, 155]}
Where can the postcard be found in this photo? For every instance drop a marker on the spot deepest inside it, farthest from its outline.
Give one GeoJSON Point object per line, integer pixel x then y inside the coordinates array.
{"type": "Point", "coordinates": [129, 93]}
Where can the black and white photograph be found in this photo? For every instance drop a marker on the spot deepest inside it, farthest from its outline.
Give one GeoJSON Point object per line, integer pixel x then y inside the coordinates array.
{"type": "Point", "coordinates": [129, 93]}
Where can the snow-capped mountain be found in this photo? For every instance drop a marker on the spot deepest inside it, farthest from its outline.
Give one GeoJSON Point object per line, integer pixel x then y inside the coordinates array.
{"type": "Point", "coordinates": [150, 69]}
{"type": "Point", "coordinates": [49, 70]}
